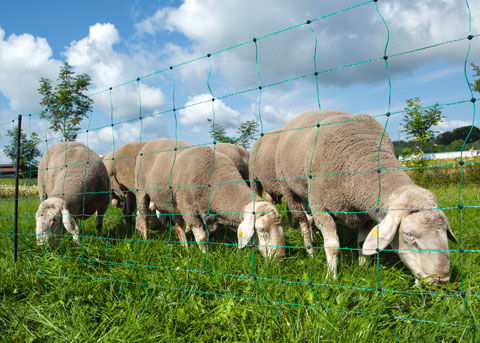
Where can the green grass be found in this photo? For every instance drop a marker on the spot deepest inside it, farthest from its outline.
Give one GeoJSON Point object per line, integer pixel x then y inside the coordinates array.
{"type": "Point", "coordinates": [11, 182]}
{"type": "Point", "coordinates": [116, 288]}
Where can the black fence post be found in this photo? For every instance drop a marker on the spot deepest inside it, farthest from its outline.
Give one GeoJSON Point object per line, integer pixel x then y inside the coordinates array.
{"type": "Point", "coordinates": [17, 177]}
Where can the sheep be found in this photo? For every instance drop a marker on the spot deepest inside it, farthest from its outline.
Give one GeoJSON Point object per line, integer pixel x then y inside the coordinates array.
{"type": "Point", "coordinates": [146, 176]}
{"type": "Point", "coordinates": [238, 155]}
{"type": "Point", "coordinates": [229, 200]}
{"type": "Point", "coordinates": [261, 167]}
{"type": "Point", "coordinates": [72, 181]}
{"type": "Point", "coordinates": [120, 166]}
{"type": "Point", "coordinates": [343, 184]}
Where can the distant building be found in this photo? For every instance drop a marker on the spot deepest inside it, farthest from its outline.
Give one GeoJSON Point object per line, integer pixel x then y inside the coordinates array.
{"type": "Point", "coordinates": [7, 170]}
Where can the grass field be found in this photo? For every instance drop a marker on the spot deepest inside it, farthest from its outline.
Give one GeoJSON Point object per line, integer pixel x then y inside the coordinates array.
{"type": "Point", "coordinates": [117, 288]}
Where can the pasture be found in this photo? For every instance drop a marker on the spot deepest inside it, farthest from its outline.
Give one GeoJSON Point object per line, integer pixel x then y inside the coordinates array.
{"type": "Point", "coordinates": [119, 288]}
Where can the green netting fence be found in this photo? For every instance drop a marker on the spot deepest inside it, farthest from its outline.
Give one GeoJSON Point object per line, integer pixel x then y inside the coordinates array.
{"type": "Point", "coordinates": [121, 256]}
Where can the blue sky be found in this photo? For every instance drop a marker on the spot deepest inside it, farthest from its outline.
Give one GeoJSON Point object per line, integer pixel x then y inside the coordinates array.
{"type": "Point", "coordinates": [118, 41]}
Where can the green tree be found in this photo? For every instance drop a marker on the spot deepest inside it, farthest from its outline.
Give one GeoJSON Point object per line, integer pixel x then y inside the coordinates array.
{"type": "Point", "coordinates": [247, 131]}
{"type": "Point", "coordinates": [66, 103]}
{"type": "Point", "coordinates": [476, 81]}
{"type": "Point", "coordinates": [219, 134]}
{"type": "Point", "coordinates": [28, 150]}
{"type": "Point", "coordinates": [418, 122]}
{"type": "Point", "coordinates": [459, 133]}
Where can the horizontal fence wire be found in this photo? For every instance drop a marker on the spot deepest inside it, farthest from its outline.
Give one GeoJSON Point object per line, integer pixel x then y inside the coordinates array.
{"type": "Point", "coordinates": [100, 257]}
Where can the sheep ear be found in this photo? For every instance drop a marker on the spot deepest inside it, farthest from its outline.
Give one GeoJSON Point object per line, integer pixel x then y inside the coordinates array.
{"type": "Point", "coordinates": [67, 221]}
{"type": "Point", "coordinates": [450, 234]}
{"type": "Point", "coordinates": [245, 231]}
{"type": "Point", "coordinates": [382, 234]}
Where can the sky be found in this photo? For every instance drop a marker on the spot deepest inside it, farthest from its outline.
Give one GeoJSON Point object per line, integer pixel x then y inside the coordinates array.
{"type": "Point", "coordinates": [118, 41]}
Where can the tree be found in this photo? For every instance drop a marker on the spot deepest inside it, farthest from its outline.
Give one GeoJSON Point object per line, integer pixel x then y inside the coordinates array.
{"type": "Point", "coordinates": [219, 135]}
{"type": "Point", "coordinates": [476, 82]}
{"type": "Point", "coordinates": [448, 137]}
{"type": "Point", "coordinates": [66, 104]}
{"type": "Point", "coordinates": [28, 150]}
{"type": "Point", "coordinates": [418, 122]}
{"type": "Point", "coordinates": [247, 131]}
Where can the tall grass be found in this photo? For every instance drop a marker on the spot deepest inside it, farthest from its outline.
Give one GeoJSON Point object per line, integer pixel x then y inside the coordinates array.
{"type": "Point", "coordinates": [119, 288]}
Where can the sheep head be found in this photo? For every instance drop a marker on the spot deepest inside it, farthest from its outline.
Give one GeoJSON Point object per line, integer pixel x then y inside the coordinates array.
{"type": "Point", "coordinates": [264, 220]}
{"type": "Point", "coordinates": [419, 230]}
{"type": "Point", "coordinates": [48, 219]}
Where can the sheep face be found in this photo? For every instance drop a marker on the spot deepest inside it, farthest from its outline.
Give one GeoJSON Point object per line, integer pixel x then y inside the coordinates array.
{"type": "Point", "coordinates": [267, 224]}
{"type": "Point", "coordinates": [425, 234]}
{"type": "Point", "coordinates": [421, 238]}
{"type": "Point", "coordinates": [48, 219]}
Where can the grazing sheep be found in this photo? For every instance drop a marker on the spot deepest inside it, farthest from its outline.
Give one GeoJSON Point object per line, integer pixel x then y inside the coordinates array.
{"type": "Point", "coordinates": [147, 178]}
{"type": "Point", "coordinates": [346, 155]}
{"type": "Point", "coordinates": [229, 200]}
{"type": "Point", "coordinates": [261, 166]}
{"type": "Point", "coordinates": [120, 166]}
{"type": "Point", "coordinates": [72, 181]}
{"type": "Point", "coordinates": [238, 155]}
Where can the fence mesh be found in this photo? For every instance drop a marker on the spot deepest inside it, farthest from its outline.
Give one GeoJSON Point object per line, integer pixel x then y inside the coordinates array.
{"type": "Point", "coordinates": [161, 262]}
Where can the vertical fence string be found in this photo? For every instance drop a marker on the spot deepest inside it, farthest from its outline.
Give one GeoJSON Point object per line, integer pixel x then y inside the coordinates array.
{"type": "Point", "coordinates": [170, 190]}
{"type": "Point", "coordinates": [460, 206]}
{"type": "Point", "coordinates": [110, 195]}
{"type": "Point", "coordinates": [260, 87]}
{"type": "Point", "coordinates": [135, 242]}
{"type": "Point", "coordinates": [310, 222]}
{"type": "Point", "coordinates": [385, 58]}
{"type": "Point", "coordinates": [209, 188]}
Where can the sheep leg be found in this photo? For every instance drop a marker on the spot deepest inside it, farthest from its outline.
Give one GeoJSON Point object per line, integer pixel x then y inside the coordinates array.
{"type": "Point", "coordinates": [362, 235]}
{"type": "Point", "coordinates": [142, 212]}
{"type": "Point", "coordinates": [128, 209]}
{"type": "Point", "coordinates": [200, 237]}
{"type": "Point", "coordinates": [295, 206]}
{"type": "Point", "coordinates": [76, 231]}
{"type": "Point", "coordinates": [307, 236]}
{"type": "Point", "coordinates": [326, 224]}
{"type": "Point", "coordinates": [99, 219]}
{"type": "Point", "coordinates": [181, 232]}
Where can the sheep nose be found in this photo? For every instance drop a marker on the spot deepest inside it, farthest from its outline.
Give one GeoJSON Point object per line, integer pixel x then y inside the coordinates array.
{"type": "Point", "coordinates": [280, 253]}
{"type": "Point", "coordinates": [443, 280]}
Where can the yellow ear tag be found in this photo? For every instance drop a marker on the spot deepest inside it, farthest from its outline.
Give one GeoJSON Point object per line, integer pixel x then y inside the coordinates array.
{"type": "Point", "coordinates": [240, 233]}
{"type": "Point", "coordinates": [375, 232]}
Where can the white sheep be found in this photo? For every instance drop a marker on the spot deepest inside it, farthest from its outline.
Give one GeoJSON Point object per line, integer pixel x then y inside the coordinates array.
{"type": "Point", "coordinates": [188, 171]}
{"type": "Point", "coordinates": [120, 166]}
{"type": "Point", "coordinates": [238, 155]}
{"type": "Point", "coordinates": [72, 181]}
{"type": "Point", "coordinates": [344, 187]}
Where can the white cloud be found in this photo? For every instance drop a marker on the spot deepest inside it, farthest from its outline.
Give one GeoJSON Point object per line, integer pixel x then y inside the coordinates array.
{"type": "Point", "coordinates": [343, 39]}
{"type": "Point", "coordinates": [107, 139]}
{"type": "Point", "coordinates": [446, 125]}
{"type": "Point", "coordinates": [95, 55]}
{"type": "Point", "coordinates": [24, 59]}
{"type": "Point", "coordinates": [200, 109]}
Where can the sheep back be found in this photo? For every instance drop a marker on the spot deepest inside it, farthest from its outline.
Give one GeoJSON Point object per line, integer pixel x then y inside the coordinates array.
{"type": "Point", "coordinates": [238, 155]}
{"type": "Point", "coordinates": [120, 166]}
{"type": "Point", "coordinates": [76, 174]}
{"type": "Point", "coordinates": [199, 166]}
{"type": "Point", "coordinates": [262, 165]}
{"type": "Point", "coordinates": [347, 150]}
